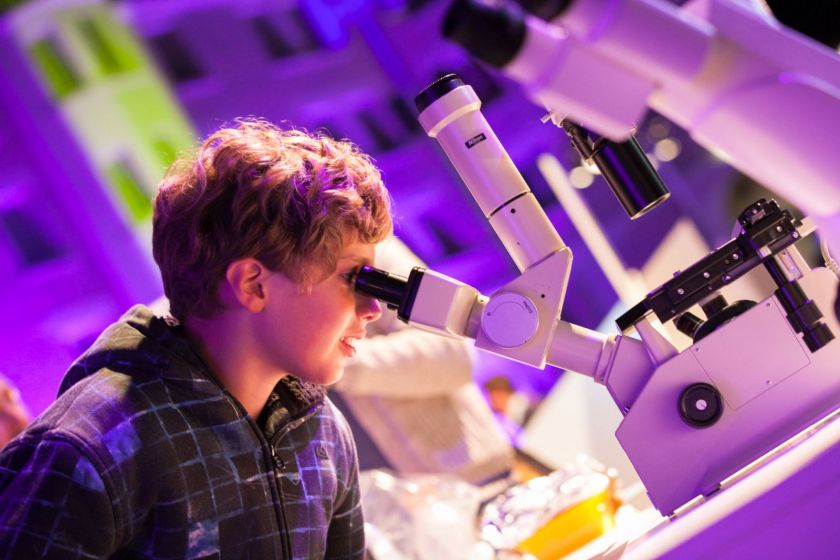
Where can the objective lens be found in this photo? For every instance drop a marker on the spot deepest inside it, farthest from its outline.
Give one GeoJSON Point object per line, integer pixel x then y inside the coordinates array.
{"type": "Point", "coordinates": [631, 177]}
{"type": "Point", "coordinates": [625, 167]}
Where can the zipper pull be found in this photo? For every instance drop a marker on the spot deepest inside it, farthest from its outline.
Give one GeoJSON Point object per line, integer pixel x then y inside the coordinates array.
{"type": "Point", "coordinates": [275, 458]}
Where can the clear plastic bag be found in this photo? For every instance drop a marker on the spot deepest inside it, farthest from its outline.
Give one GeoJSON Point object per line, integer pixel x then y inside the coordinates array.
{"type": "Point", "coordinates": [422, 517]}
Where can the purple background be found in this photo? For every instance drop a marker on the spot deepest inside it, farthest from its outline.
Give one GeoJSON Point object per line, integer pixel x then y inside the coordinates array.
{"type": "Point", "coordinates": [67, 265]}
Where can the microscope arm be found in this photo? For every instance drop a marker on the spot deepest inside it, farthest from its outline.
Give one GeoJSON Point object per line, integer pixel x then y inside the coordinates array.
{"type": "Point", "coordinates": [438, 303]}
{"type": "Point", "coordinates": [520, 320]}
{"type": "Point", "coordinates": [759, 95]}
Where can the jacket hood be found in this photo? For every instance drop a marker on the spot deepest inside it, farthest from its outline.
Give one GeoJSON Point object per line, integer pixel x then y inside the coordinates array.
{"type": "Point", "coordinates": [141, 344]}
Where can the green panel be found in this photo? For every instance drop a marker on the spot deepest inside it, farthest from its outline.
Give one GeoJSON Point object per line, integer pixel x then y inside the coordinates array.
{"type": "Point", "coordinates": [60, 77]}
{"type": "Point", "coordinates": [130, 193]}
{"type": "Point", "coordinates": [165, 151]}
{"type": "Point", "coordinates": [114, 48]}
{"type": "Point", "coordinates": [158, 121]}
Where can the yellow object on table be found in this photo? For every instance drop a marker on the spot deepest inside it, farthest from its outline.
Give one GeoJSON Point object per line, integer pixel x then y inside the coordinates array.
{"type": "Point", "coordinates": [551, 516]}
{"type": "Point", "coordinates": [572, 528]}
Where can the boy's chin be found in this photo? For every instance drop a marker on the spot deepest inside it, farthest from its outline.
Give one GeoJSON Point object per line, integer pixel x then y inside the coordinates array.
{"type": "Point", "coordinates": [328, 377]}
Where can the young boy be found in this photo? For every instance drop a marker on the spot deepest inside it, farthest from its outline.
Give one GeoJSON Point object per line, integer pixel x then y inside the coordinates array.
{"type": "Point", "coordinates": [207, 434]}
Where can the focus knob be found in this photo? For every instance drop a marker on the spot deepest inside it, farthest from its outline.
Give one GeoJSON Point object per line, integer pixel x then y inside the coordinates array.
{"type": "Point", "coordinates": [510, 320]}
{"type": "Point", "coordinates": [700, 405]}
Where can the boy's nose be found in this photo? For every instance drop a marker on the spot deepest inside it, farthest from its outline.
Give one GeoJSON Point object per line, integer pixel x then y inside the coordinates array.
{"type": "Point", "coordinates": [368, 308]}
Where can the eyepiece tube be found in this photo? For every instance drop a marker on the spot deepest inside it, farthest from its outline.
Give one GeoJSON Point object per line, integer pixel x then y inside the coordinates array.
{"type": "Point", "coordinates": [450, 112]}
{"type": "Point", "coordinates": [557, 70]}
{"type": "Point", "coordinates": [397, 292]}
{"type": "Point", "coordinates": [384, 286]}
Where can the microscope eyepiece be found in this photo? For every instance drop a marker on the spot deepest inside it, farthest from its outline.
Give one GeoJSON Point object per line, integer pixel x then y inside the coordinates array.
{"type": "Point", "coordinates": [384, 286]}
{"type": "Point", "coordinates": [436, 90]}
{"type": "Point", "coordinates": [397, 292]}
{"type": "Point", "coordinates": [492, 32]}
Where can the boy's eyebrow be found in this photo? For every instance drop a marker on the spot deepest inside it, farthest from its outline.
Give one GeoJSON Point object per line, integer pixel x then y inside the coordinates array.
{"type": "Point", "coordinates": [360, 259]}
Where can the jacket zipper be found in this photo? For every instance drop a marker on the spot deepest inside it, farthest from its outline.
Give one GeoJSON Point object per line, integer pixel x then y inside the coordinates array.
{"type": "Point", "coordinates": [275, 463]}
{"type": "Point", "coordinates": [277, 466]}
{"type": "Point", "coordinates": [271, 463]}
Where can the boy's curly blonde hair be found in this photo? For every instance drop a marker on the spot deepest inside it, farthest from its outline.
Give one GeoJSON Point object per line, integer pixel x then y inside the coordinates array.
{"type": "Point", "coordinates": [285, 197]}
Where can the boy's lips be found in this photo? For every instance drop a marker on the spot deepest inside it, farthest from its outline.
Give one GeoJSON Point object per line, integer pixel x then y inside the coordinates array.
{"type": "Point", "coordinates": [347, 344]}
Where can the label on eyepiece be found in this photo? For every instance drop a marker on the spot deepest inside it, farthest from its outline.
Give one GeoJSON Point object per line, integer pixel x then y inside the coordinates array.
{"type": "Point", "coordinates": [477, 139]}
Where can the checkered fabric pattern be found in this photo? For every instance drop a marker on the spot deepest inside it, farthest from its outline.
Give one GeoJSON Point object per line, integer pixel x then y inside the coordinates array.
{"type": "Point", "coordinates": [146, 455]}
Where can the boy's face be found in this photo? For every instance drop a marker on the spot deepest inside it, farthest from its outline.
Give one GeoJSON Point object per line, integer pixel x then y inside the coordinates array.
{"type": "Point", "coordinates": [311, 334]}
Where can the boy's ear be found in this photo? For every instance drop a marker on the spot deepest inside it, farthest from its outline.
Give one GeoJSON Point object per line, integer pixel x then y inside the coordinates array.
{"type": "Point", "coordinates": [246, 280]}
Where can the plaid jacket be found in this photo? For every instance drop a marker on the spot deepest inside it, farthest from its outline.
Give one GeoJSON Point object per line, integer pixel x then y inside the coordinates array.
{"type": "Point", "coordinates": [146, 455]}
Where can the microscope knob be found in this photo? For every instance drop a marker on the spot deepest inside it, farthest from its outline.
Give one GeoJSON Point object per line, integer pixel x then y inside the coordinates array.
{"type": "Point", "coordinates": [700, 405]}
{"type": "Point", "coordinates": [510, 319]}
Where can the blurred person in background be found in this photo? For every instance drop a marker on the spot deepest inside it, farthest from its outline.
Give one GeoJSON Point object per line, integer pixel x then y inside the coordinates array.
{"type": "Point", "coordinates": [411, 399]}
{"type": "Point", "coordinates": [511, 407]}
{"type": "Point", "coordinates": [14, 416]}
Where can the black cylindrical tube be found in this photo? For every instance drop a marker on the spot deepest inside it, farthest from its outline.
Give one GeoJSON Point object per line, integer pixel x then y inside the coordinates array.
{"type": "Point", "coordinates": [545, 9]}
{"type": "Point", "coordinates": [630, 175]}
{"type": "Point", "coordinates": [492, 32]}
{"type": "Point", "coordinates": [802, 312]}
{"type": "Point", "coordinates": [817, 337]}
{"type": "Point", "coordinates": [382, 285]}
{"type": "Point", "coordinates": [624, 166]}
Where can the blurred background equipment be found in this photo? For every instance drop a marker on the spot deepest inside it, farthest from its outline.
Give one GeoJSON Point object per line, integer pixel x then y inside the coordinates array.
{"type": "Point", "coordinates": [708, 66]}
{"type": "Point", "coordinates": [88, 125]}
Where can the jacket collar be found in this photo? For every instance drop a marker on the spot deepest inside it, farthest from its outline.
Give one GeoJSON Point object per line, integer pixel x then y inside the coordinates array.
{"type": "Point", "coordinates": [290, 400]}
{"type": "Point", "coordinates": [142, 344]}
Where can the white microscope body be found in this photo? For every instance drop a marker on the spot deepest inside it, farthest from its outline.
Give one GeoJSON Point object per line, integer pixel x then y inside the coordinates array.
{"type": "Point", "coordinates": [768, 100]}
{"type": "Point", "coordinates": [691, 419]}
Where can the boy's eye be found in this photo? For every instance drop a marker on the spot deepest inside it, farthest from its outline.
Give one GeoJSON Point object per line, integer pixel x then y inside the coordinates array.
{"type": "Point", "coordinates": [350, 276]}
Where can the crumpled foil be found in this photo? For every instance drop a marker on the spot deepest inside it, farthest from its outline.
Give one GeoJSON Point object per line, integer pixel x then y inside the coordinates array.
{"type": "Point", "coordinates": [524, 509]}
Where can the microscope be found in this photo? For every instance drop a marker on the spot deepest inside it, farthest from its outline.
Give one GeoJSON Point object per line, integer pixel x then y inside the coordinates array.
{"type": "Point", "coordinates": [755, 93]}
{"type": "Point", "coordinates": [758, 371]}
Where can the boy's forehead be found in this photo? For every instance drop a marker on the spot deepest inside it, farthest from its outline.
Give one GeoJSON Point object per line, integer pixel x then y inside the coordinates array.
{"type": "Point", "coordinates": [357, 251]}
